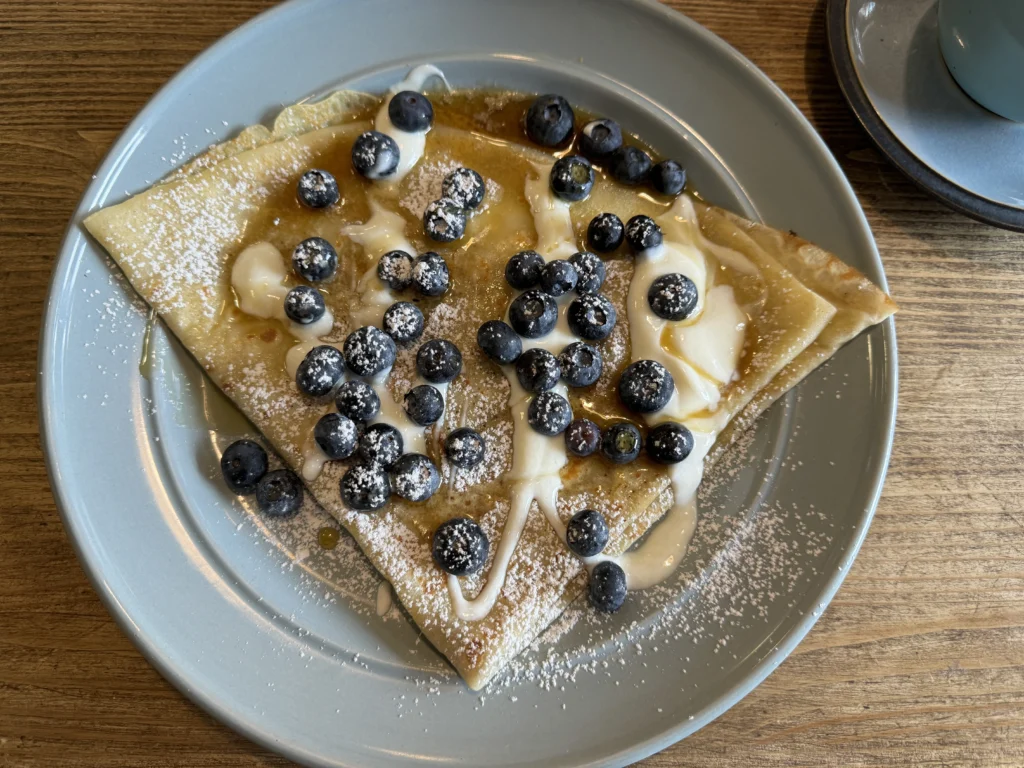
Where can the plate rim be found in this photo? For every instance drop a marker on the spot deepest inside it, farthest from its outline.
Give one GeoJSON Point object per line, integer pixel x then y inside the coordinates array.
{"type": "Point", "coordinates": [50, 335]}
{"type": "Point", "coordinates": [888, 143]}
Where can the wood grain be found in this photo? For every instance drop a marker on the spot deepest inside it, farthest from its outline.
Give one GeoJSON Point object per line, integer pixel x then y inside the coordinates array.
{"type": "Point", "coordinates": [918, 661]}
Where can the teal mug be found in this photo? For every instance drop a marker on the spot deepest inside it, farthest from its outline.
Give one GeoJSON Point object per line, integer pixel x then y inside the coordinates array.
{"type": "Point", "coordinates": [982, 42]}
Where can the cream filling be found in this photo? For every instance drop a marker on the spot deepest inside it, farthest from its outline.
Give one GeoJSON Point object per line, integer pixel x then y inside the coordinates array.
{"type": "Point", "coordinates": [410, 143]}
{"type": "Point", "coordinates": [693, 392]}
{"type": "Point", "coordinates": [313, 459]}
{"type": "Point", "coordinates": [384, 231]}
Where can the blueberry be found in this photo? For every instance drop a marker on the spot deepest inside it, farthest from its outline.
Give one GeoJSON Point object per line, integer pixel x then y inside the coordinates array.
{"type": "Point", "coordinates": [336, 435]}
{"type": "Point", "coordinates": [586, 534]}
{"type": "Point", "coordinates": [380, 444]}
{"type": "Point", "coordinates": [524, 269]}
{"type": "Point", "coordinates": [365, 487]}
{"type": "Point", "coordinates": [607, 587]}
{"type": "Point", "coordinates": [549, 414]}
{"type": "Point", "coordinates": [629, 165]}
{"type": "Point", "coordinates": [444, 220]}
{"type": "Point", "coordinates": [424, 404]}
{"type": "Point", "coordinates": [243, 463]}
{"type": "Point", "coordinates": [590, 271]}
{"type": "Point", "coordinates": [357, 400]}
{"type": "Point", "coordinates": [460, 546]}
{"type": "Point", "coordinates": [315, 260]}
{"type": "Point", "coordinates": [403, 322]}
{"type": "Point", "coordinates": [558, 277]}
{"type": "Point", "coordinates": [580, 364]}
{"type": "Point", "coordinates": [673, 296]}
{"type": "Point", "coordinates": [320, 371]}
{"type": "Point", "coordinates": [572, 178]}
{"type": "Point", "coordinates": [605, 232]}
{"type": "Point", "coordinates": [395, 270]}
{"type": "Point", "coordinates": [430, 274]}
{"type": "Point", "coordinates": [415, 477]}
{"type": "Point", "coordinates": [318, 189]}
{"type": "Point", "coordinates": [464, 447]}
{"type": "Point", "coordinates": [410, 111]}
{"type": "Point", "coordinates": [537, 370]}
{"type": "Point", "coordinates": [582, 437]}
{"type": "Point", "coordinates": [533, 314]}
{"type": "Point", "coordinates": [499, 342]}
{"type": "Point", "coordinates": [646, 386]}
{"type": "Point", "coordinates": [375, 155]}
{"type": "Point", "coordinates": [464, 186]}
{"type": "Point", "coordinates": [369, 351]}
{"type": "Point", "coordinates": [599, 138]}
{"type": "Point", "coordinates": [279, 493]}
{"type": "Point", "coordinates": [669, 443]}
{"type": "Point", "coordinates": [642, 232]}
{"type": "Point", "coordinates": [304, 305]}
{"type": "Point", "coordinates": [621, 442]}
{"type": "Point", "coordinates": [591, 317]}
{"type": "Point", "coordinates": [439, 361]}
{"type": "Point", "coordinates": [549, 120]}
{"type": "Point", "coordinates": [668, 177]}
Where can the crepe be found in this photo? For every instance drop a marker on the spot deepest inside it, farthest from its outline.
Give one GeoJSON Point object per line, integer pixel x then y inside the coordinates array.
{"type": "Point", "coordinates": [859, 304]}
{"type": "Point", "coordinates": [177, 241]}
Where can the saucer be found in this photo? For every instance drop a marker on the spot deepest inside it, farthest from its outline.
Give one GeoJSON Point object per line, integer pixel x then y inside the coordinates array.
{"type": "Point", "coordinates": [887, 59]}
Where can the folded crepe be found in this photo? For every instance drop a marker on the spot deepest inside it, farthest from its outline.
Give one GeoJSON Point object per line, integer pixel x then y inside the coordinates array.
{"type": "Point", "coordinates": [177, 243]}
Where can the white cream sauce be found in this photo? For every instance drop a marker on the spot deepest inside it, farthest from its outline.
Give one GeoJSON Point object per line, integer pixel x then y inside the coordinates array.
{"type": "Point", "coordinates": [384, 598]}
{"type": "Point", "coordinates": [693, 392]}
{"type": "Point", "coordinates": [393, 412]}
{"type": "Point", "coordinates": [702, 354]}
{"type": "Point", "coordinates": [313, 459]}
{"type": "Point", "coordinates": [537, 460]}
{"type": "Point", "coordinates": [384, 231]}
{"type": "Point", "coordinates": [551, 217]}
{"type": "Point", "coordinates": [713, 344]}
{"type": "Point", "coordinates": [258, 280]}
{"type": "Point", "coordinates": [296, 354]}
{"type": "Point", "coordinates": [656, 557]}
{"type": "Point", "coordinates": [543, 490]}
{"type": "Point", "coordinates": [410, 143]}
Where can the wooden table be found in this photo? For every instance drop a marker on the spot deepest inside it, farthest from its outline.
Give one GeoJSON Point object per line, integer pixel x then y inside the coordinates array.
{"type": "Point", "coordinates": [918, 661]}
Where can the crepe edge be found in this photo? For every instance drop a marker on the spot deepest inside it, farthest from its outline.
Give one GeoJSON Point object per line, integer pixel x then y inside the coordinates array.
{"type": "Point", "coordinates": [859, 303]}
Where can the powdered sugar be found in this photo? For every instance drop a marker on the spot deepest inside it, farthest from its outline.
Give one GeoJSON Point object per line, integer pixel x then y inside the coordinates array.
{"type": "Point", "coordinates": [177, 235]}
{"type": "Point", "coordinates": [424, 185]}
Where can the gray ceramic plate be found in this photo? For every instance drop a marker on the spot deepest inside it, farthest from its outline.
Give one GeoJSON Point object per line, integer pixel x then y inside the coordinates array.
{"type": "Point", "coordinates": [279, 639]}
